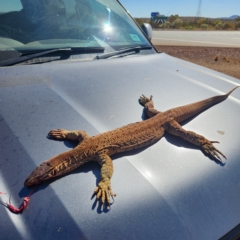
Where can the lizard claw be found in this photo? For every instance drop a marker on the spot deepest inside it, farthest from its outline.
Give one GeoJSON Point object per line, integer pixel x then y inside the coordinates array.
{"type": "Point", "coordinates": [104, 191]}
{"type": "Point", "coordinates": [58, 133]}
{"type": "Point", "coordinates": [209, 149]}
{"type": "Point", "coordinates": [143, 99]}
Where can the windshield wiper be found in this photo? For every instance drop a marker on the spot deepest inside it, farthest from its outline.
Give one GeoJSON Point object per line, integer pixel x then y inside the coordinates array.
{"type": "Point", "coordinates": [127, 50]}
{"type": "Point", "coordinates": [27, 57]}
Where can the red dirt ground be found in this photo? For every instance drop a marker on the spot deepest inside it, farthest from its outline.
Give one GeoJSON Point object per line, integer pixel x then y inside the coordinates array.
{"type": "Point", "coordinates": [225, 60]}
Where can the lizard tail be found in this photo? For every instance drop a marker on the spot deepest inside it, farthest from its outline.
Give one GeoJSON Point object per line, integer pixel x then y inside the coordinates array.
{"type": "Point", "coordinates": [227, 94]}
{"type": "Point", "coordinates": [187, 111]}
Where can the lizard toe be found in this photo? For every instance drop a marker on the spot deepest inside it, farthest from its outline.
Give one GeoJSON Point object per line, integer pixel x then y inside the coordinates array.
{"type": "Point", "coordinates": [143, 99]}
{"type": "Point", "coordinates": [210, 150]}
{"type": "Point", "coordinates": [57, 133]}
{"type": "Point", "coordinates": [103, 191]}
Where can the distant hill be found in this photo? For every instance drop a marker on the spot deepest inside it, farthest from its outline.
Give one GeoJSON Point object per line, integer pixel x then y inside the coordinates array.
{"type": "Point", "coordinates": [232, 17]}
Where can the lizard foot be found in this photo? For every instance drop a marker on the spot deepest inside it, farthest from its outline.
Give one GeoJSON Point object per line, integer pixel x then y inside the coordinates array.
{"type": "Point", "coordinates": [143, 99]}
{"type": "Point", "coordinates": [58, 133]}
{"type": "Point", "coordinates": [104, 191]}
{"type": "Point", "coordinates": [209, 149]}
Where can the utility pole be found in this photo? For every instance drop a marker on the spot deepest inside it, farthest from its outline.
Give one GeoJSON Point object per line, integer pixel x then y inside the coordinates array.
{"type": "Point", "coordinates": [198, 15]}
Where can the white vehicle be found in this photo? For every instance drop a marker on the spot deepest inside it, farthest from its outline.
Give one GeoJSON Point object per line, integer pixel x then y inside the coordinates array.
{"type": "Point", "coordinates": [82, 64]}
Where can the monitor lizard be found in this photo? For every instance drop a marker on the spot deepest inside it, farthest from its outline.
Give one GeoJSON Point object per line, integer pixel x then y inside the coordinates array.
{"type": "Point", "coordinates": [133, 136]}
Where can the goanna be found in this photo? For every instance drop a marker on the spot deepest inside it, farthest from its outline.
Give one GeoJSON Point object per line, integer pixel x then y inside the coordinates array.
{"type": "Point", "coordinates": [133, 136]}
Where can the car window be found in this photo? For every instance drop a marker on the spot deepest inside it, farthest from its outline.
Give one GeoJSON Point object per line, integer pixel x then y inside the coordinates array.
{"type": "Point", "coordinates": [27, 25]}
{"type": "Point", "coordinates": [9, 6]}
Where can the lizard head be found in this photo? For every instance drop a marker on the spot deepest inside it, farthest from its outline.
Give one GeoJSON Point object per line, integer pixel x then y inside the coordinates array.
{"type": "Point", "coordinates": [43, 172]}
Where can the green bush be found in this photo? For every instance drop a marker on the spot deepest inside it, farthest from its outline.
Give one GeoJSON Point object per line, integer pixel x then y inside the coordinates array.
{"type": "Point", "coordinates": [177, 23]}
{"type": "Point", "coordinates": [165, 25]}
{"type": "Point", "coordinates": [201, 21]}
{"type": "Point", "coordinates": [215, 23]}
{"type": "Point", "coordinates": [219, 25]}
{"type": "Point", "coordinates": [204, 26]}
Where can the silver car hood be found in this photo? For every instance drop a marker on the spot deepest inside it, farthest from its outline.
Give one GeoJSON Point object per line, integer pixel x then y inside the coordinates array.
{"type": "Point", "coordinates": [169, 190]}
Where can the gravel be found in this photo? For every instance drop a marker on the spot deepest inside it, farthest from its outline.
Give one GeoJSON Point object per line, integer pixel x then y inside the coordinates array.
{"type": "Point", "coordinates": [225, 60]}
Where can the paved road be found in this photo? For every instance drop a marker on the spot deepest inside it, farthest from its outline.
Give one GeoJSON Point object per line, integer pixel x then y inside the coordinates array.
{"type": "Point", "coordinates": [197, 38]}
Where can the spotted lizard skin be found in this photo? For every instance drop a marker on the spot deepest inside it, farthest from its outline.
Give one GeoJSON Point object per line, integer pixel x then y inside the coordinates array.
{"type": "Point", "coordinates": [133, 136]}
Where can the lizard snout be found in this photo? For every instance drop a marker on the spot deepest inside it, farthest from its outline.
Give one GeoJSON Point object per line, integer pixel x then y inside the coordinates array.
{"type": "Point", "coordinates": [39, 174]}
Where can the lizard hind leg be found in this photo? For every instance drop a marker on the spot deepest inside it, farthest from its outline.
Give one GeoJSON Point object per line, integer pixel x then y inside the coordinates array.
{"type": "Point", "coordinates": [207, 146]}
{"type": "Point", "coordinates": [75, 135]}
{"type": "Point", "coordinates": [148, 105]}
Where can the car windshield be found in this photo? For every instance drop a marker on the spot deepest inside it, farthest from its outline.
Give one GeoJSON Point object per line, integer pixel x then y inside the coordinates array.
{"type": "Point", "coordinates": [28, 26]}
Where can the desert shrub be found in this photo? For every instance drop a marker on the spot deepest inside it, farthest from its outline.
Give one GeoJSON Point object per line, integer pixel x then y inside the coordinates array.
{"type": "Point", "coordinates": [228, 26]}
{"type": "Point", "coordinates": [177, 23]}
{"type": "Point", "coordinates": [185, 24]}
{"type": "Point", "coordinates": [232, 26]}
{"type": "Point", "coordinates": [154, 24]}
{"type": "Point", "coordinates": [215, 23]}
{"type": "Point", "coordinates": [165, 25]}
{"type": "Point", "coordinates": [201, 21]}
{"type": "Point", "coordinates": [189, 28]}
{"type": "Point", "coordinates": [237, 25]}
{"type": "Point", "coordinates": [172, 18]}
{"type": "Point", "coordinates": [139, 21]}
{"type": "Point", "coordinates": [219, 25]}
{"type": "Point", "coordinates": [204, 26]}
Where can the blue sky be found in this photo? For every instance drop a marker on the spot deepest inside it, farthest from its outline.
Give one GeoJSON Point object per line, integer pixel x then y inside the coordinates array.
{"type": "Point", "coordinates": [210, 8]}
{"type": "Point", "coordinates": [143, 8]}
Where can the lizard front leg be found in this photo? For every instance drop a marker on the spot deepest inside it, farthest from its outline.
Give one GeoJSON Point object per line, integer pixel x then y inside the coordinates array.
{"type": "Point", "coordinates": [148, 105]}
{"type": "Point", "coordinates": [104, 189]}
{"type": "Point", "coordinates": [207, 147]}
{"type": "Point", "coordinates": [74, 135]}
